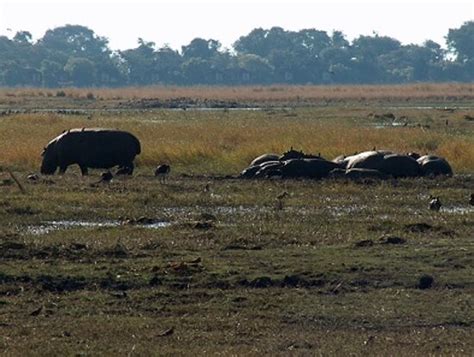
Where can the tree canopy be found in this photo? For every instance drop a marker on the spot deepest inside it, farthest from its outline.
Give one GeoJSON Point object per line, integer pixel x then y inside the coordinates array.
{"type": "Point", "coordinates": [74, 55]}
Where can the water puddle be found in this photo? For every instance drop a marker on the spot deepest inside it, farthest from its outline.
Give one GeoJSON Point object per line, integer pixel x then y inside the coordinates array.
{"type": "Point", "coordinates": [339, 211]}
{"type": "Point", "coordinates": [50, 226]}
{"type": "Point", "coordinates": [388, 125]}
{"type": "Point", "coordinates": [457, 210]}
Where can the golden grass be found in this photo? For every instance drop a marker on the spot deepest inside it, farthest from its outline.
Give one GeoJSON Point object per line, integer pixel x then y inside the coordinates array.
{"type": "Point", "coordinates": [219, 142]}
{"type": "Point", "coordinates": [274, 93]}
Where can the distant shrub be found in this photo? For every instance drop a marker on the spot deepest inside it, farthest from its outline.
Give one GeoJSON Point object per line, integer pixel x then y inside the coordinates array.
{"type": "Point", "coordinates": [60, 93]}
{"type": "Point", "coordinates": [90, 96]}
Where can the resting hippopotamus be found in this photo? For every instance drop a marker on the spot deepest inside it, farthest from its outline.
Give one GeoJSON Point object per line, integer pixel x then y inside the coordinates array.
{"type": "Point", "coordinates": [385, 161]}
{"type": "Point", "coordinates": [359, 174]}
{"type": "Point", "coordinates": [264, 158]}
{"type": "Point", "coordinates": [293, 154]}
{"type": "Point", "coordinates": [400, 166]}
{"type": "Point", "coordinates": [90, 148]}
{"type": "Point", "coordinates": [307, 168]}
{"type": "Point", "coordinates": [365, 160]}
{"type": "Point", "coordinates": [259, 170]}
{"type": "Point", "coordinates": [432, 165]}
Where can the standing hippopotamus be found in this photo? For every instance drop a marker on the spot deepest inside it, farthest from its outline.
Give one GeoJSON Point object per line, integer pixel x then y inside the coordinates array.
{"type": "Point", "coordinates": [90, 148]}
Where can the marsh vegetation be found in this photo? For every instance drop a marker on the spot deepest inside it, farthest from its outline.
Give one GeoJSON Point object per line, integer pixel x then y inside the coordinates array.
{"type": "Point", "coordinates": [238, 267]}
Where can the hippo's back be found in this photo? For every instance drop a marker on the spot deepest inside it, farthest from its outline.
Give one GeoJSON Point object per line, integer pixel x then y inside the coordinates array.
{"type": "Point", "coordinates": [96, 147]}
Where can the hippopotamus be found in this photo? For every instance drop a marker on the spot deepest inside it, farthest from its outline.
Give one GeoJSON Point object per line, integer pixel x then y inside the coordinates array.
{"type": "Point", "coordinates": [264, 158]}
{"type": "Point", "coordinates": [90, 148]}
{"type": "Point", "coordinates": [294, 154]}
{"type": "Point", "coordinates": [397, 165]}
{"type": "Point", "coordinates": [365, 160]}
{"type": "Point", "coordinates": [432, 165]}
{"type": "Point", "coordinates": [259, 170]}
{"type": "Point", "coordinates": [359, 174]}
{"type": "Point", "coordinates": [307, 168]}
{"type": "Point", "coordinates": [269, 169]}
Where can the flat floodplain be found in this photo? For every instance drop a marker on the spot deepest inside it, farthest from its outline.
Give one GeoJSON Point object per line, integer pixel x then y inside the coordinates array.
{"type": "Point", "coordinates": [210, 264]}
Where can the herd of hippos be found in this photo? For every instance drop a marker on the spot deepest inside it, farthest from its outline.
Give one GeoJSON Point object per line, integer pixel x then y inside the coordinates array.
{"type": "Point", "coordinates": [380, 164]}
{"type": "Point", "coordinates": [107, 148]}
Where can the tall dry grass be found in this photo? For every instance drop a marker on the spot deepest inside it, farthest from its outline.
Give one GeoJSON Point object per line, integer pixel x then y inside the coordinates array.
{"type": "Point", "coordinates": [274, 93]}
{"type": "Point", "coordinates": [225, 143]}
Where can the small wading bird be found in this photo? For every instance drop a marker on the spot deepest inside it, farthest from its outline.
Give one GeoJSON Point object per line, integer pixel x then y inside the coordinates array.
{"type": "Point", "coordinates": [280, 199]}
{"type": "Point", "coordinates": [435, 203]}
{"type": "Point", "coordinates": [162, 171]}
{"type": "Point", "coordinates": [106, 177]}
{"type": "Point", "coordinates": [33, 177]}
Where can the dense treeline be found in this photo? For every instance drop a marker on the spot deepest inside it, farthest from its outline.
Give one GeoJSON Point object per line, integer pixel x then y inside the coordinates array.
{"type": "Point", "coordinates": [74, 55]}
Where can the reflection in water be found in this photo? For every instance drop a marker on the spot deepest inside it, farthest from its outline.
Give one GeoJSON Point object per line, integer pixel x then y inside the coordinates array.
{"type": "Point", "coordinates": [50, 226]}
{"type": "Point", "coordinates": [457, 210]}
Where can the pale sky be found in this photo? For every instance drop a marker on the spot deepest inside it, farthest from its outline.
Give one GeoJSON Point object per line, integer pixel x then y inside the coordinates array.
{"type": "Point", "coordinates": [178, 22]}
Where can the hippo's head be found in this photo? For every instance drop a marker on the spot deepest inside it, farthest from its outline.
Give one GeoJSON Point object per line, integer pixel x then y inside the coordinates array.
{"type": "Point", "coordinates": [414, 155]}
{"type": "Point", "coordinates": [50, 160]}
{"type": "Point", "coordinates": [292, 154]}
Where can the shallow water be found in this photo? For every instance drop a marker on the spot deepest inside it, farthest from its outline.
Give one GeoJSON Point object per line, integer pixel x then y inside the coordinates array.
{"type": "Point", "coordinates": [50, 226]}
{"type": "Point", "coordinates": [380, 125]}
{"type": "Point", "coordinates": [457, 210]}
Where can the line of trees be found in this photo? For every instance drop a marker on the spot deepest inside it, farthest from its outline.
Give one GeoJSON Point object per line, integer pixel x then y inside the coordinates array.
{"type": "Point", "coordinates": [74, 55]}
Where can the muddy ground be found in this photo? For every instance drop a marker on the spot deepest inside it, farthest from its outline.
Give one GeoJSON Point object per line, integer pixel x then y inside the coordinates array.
{"type": "Point", "coordinates": [337, 268]}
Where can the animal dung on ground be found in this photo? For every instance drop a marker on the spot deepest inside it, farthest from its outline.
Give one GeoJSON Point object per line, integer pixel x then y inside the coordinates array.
{"type": "Point", "coordinates": [425, 282]}
{"type": "Point", "coordinates": [364, 243]}
{"type": "Point", "coordinates": [393, 240]}
{"type": "Point", "coordinates": [167, 332]}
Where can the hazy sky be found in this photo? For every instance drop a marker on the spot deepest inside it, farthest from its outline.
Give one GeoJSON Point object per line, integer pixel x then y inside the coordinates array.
{"type": "Point", "coordinates": [178, 22]}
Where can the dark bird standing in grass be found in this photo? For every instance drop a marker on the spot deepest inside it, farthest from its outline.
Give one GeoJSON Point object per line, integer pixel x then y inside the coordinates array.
{"type": "Point", "coordinates": [37, 311]}
{"type": "Point", "coordinates": [123, 171]}
{"type": "Point", "coordinates": [435, 203]}
{"type": "Point", "coordinates": [106, 177]}
{"type": "Point", "coordinates": [162, 171]}
{"type": "Point", "coordinates": [471, 200]}
{"type": "Point", "coordinates": [32, 177]}
{"type": "Point", "coordinates": [280, 198]}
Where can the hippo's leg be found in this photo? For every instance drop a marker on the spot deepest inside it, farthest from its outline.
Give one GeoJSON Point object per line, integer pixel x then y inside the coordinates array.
{"type": "Point", "coordinates": [62, 169]}
{"type": "Point", "coordinates": [130, 168]}
{"type": "Point", "coordinates": [84, 170]}
{"type": "Point", "coordinates": [126, 168]}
